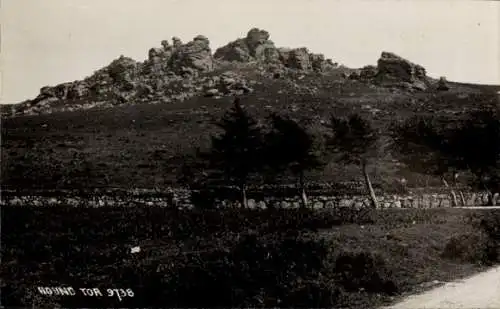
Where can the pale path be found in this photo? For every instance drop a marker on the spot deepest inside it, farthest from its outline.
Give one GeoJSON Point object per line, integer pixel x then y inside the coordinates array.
{"type": "Point", "coordinates": [477, 207]}
{"type": "Point", "coordinates": [479, 291]}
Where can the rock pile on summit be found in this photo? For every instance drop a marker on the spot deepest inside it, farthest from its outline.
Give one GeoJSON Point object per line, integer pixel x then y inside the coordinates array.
{"type": "Point", "coordinates": [177, 71]}
{"type": "Point", "coordinates": [125, 80]}
{"type": "Point", "coordinates": [257, 46]}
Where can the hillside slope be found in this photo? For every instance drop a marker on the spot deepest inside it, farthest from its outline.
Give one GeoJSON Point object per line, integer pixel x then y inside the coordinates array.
{"type": "Point", "coordinates": [131, 124]}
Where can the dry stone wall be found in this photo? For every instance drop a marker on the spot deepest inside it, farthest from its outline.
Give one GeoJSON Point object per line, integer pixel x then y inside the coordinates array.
{"type": "Point", "coordinates": [182, 198]}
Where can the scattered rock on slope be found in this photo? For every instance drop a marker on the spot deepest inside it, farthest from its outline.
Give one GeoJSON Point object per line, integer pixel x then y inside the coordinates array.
{"type": "Point", "coordinates": [227, 83]}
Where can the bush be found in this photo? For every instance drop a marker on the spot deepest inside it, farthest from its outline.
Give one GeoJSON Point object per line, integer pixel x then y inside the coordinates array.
{"type": "Point", "coordinates": [364, 271]}
{"type": "Point", "coordinates": [468, 247]}
{"type": "Point", "coordinates": [258, 271]}
{"type": "Point", "coordinates": [489, 223]}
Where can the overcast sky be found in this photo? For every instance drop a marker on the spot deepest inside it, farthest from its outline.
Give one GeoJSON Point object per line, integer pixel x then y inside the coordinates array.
{"type": "Point", "coordinates": [46, 42]}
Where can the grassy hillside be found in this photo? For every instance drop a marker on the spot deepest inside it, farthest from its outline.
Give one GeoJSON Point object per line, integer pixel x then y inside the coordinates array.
{"type": "Point", "coordinates": [142, 145]}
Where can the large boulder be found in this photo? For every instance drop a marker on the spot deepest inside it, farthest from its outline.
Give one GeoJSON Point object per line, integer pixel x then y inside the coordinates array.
{"type": "Point", "coordinates": [259, 45]}
{"type": "Point", "coordinates": [255, 46]}
{"type": "Point", "coordinates": [47, 91]}
{"type": "Point", "coordinates": [77, 91]}
{"type": "Point", "coordinates": [61, 90]}
{"type": "Point", "coordinates": [318, 62]}
{"type": "Point", "coordinates": [442, 84]}
{"type": "Point", "coordinates": [158, 59]}
{"type": "Point", "coordinates": [155, 53]}
{"type": "Point", "coordinates": [299, 59]}
{"type": "Point", "coordinates": [122, 69]}
{"type": "Point", "coordinates": [163, 54]}
{"type": "Point", "coordinates": [302, 59]}
{"type": "Point", "coordinates": [393, 71]}
{"type": "Point", "coordinates": [64, 91]}
{"type": "Point", "coordinates": [392, 67]}
{"type": "Point", "coordinates": [195, 55]}
{"type": "Point", "coordinates": [176, 42]}
{"type": "Point", "coordinates": [368, 72]}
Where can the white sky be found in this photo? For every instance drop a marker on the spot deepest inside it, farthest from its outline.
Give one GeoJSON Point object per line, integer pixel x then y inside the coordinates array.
{"type": "Point", "coordinates": [46, 42]}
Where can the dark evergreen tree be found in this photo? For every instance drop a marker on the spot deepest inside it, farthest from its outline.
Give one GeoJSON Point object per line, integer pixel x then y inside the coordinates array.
{"type": "Point", "coordinates": [236, 153]}
{"type": "Point", "coordinates": [476, 146]}
{"type": "Point", "coordinates": [356, 141]}
{"type": "Point", "coordinates": [290, 147]}
{"type": "Point", "coordinates": [426, 148]}
{"type": "Point", "coordinates": [472, 145]}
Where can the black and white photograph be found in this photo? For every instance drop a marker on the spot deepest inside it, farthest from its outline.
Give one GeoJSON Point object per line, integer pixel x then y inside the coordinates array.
{"type": "Point", "coordinates": [250, 154]}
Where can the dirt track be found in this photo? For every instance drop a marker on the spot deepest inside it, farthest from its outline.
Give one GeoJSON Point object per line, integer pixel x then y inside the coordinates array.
{"type": "Point", "coordinates": [479, 291]}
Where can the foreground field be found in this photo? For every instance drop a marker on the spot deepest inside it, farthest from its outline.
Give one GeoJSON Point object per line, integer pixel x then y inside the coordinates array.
{"type": "Point", "coordinates": [234, 258]}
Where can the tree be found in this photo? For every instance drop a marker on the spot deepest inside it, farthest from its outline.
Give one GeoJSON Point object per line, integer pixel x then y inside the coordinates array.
{"type": "Point", "coordinates": [290, 147]}
{"type": "Point", "coordinates": [471, 145]}
{"type": "Point", "coordinates": [236, 153]}
{"type": "Point", "coordinates": [356, 141]}
{"type": "Point", "coordinates": [425, 147]}
{"type": "Point", "coordinates": [476, 147]}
